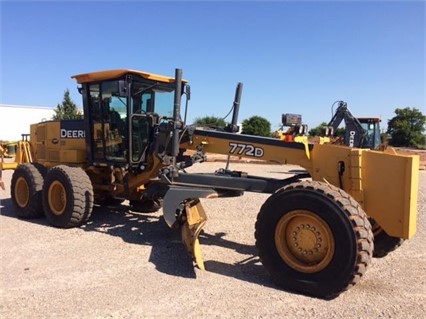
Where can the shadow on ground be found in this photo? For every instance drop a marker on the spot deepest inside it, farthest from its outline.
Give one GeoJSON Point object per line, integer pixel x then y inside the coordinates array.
{"type": "Point", "coordinates": [168, 253]}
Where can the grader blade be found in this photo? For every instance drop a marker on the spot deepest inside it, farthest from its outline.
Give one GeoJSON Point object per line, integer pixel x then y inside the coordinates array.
{"type": "Point", "coordinates": [195, 220]}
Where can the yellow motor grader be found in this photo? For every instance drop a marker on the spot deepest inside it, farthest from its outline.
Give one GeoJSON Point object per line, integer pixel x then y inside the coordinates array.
{"type": "Point", "coordinates": [315, 234]}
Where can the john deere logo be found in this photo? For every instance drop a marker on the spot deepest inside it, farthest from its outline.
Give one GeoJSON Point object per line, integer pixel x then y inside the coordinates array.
{"type": "Point", "coordinates": [72, 133]}
{"type": "Point", "coordinates": [72, 129]}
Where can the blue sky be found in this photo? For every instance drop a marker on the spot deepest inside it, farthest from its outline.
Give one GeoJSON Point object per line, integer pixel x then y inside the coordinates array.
{"type": "Point", "coordinates": [292, 57]}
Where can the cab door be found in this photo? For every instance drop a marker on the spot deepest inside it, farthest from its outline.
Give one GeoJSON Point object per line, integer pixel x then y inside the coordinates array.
{"type": "Point", "coordinates": [108, 122]}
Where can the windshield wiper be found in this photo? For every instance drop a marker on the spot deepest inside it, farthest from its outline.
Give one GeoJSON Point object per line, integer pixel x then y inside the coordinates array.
{"type": "Point", "coordinates": [145, 89]}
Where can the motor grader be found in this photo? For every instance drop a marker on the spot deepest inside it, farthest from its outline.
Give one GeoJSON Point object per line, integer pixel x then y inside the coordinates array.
{"type": "Point", "coordinates": [314, 233]}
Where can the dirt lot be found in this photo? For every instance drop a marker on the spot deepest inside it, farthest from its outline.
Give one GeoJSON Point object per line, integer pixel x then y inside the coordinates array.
{"type": "Point", "coordinates": [421, 153]}
{"type": "Point", "coordinates": [127, 265]}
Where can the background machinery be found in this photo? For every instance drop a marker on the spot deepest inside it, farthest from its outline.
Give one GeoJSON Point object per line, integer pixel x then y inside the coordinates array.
{"type": "Point", "coordinates": [296, 131]}
{"type": "Point", "coordinates": [313, 233]}
{"type": "Point", "coordinates": [8, 149]}
{"type": "Point", "coordinates": [359, 132]}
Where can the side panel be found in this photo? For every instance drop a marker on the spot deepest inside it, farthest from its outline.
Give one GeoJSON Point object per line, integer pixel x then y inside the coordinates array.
{"type": "Point", "coordinates": [384, 184]}
{"type": "Point", "coordinates": [390, 184]}
{"type": "Point", "coordinates": [340, 166]}
{"type": "Point", "coordinates": [56, 142]}
{"type": "Point", "coordinates": [326, 158]}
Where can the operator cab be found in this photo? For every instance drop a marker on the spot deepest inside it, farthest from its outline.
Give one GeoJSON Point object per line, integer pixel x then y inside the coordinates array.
{"type": "Point", "coordinates": [371, 126]}
{"type": "Point", "coordinates": [121, 109]}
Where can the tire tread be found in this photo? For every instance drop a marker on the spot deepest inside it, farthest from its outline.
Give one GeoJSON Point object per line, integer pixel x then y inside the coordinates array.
{"type": "Point", "coordinates": [355, 214]}
{"type": "Point", "coordinates": [33, 174]}
{"type": "Point", "coordinates": [77, 184]}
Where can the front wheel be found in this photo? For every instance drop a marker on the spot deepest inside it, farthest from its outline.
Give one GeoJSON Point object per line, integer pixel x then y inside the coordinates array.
{"type": "Point", "coordinates": [314, 238]}
{"type": "Point", "coordinates": [67, 196]}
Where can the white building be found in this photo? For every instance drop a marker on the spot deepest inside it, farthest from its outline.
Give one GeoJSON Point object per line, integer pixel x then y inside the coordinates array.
{"type": "Point", "coordinates": [16, 119]}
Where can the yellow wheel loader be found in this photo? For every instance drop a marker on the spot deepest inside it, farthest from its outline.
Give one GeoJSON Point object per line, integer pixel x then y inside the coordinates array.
{"type": "Point", "coordinates": [314, 232]}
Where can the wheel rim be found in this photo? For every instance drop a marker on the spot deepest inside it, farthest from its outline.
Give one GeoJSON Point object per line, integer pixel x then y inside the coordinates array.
{"type": "Point", "coordinates": [57, 198]}
{"type": "Point", "coordinates": [22, 192]}
{"type": "Point", "coordinates": [304, 241]}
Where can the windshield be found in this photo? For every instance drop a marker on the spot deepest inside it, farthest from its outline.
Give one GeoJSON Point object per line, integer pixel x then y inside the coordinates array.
{"type": "Point", "coordinates": [152, 98]}
{"type": "Point", "coordinates": [372, 134]}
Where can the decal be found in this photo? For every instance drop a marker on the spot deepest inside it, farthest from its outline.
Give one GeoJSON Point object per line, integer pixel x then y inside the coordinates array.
{"type": "Point", "coordinates": [351, 138]}
{"type": "Point", "coordinates": [241, 149]}
{"type": "Point", "coordinates": [72, 129]}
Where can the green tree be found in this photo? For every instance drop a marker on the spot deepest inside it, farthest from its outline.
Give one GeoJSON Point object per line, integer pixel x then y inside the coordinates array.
{"type": "Point", "coordinates": [256, 125]}
{"type": "Point", "coordinates": [407, 127]}
{"type": "Point", "coordinates": [210, 121]}
{"type": "Point", "coordinates": [67, 110]}
{"type": "Point", "coordinates": [319, 130]}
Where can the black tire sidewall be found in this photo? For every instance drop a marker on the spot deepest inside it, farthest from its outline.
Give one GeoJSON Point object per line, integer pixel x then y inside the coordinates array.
{"type": "Point", "coordinates": [22, 172]}
{"type": "Point", "coordinates": [63, 220]}
{"type": "Point", "coordinates": [337, 273]}
{"type": "Point", "coordinates": [34, 181]}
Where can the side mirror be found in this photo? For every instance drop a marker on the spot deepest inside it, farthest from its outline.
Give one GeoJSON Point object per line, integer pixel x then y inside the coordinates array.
{"type": "Point", "coordinates": [188, 92]}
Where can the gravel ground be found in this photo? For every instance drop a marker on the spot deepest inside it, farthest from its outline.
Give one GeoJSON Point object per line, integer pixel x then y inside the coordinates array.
{"type": "Point", "coordinates": [127, 265]}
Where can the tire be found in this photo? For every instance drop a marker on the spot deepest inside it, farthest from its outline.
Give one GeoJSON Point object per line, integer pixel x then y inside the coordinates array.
{"type": "Point", "coordinates": [26, 190]}
{"type": "Point", "coordinates": [146, 205]}
{"type": "Point", "coordinates": [42, 169]}
{"type": "Point", "coordinates": [383, 243]}
{"type": "Point", "coordinates": [314, 239]}
{"type": "Point", "coordinates": [67, 196]}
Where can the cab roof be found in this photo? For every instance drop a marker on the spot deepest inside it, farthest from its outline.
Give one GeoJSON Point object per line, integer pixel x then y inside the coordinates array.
{"type": "Point", "coordinates": [116, 73]}
{"type": "Point", "coordinates": [369, 119]}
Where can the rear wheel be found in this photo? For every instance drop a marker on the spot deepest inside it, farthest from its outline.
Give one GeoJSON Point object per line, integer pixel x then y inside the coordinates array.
{"type": "Point", "coordinates": [67, 196]}
{"type": "Point", "coordinates": [314, 238]}
{"type": "Point", "coordinates": [26, 189]}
